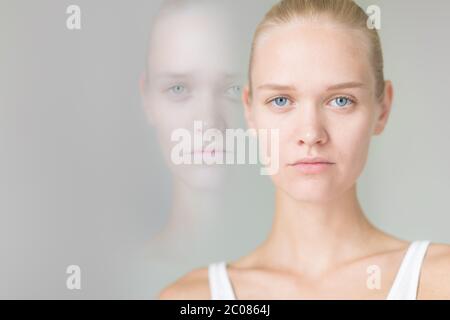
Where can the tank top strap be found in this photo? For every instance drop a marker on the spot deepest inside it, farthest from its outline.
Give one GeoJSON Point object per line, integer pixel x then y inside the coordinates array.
{"type": "Point", "coordinates": [404, 287]}
{"type": "Point", "coordinates": [219, 282]}
{"type": "Point", "coordinates": [407, 279]}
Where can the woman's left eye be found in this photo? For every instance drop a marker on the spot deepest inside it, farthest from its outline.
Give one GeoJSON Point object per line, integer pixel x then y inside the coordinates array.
{"type": "Point", "coordinates": [280, 102]}
{"type": "Point", "coordinates": [340, 102]}
{"type": "Point", "coordinates": [233, 91]}
{"type": "Point", "coordinates": [177, 89]}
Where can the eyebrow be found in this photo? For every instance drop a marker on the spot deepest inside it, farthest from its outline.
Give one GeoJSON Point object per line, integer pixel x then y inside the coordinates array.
{"type": "Point", "coordinates": [184, 75]}
{"type": "Point", "coordinates": [172, 75]}
{"type": "Point", "coordinates": [274, 86]}
{"type": "Point", "coordinates": [344, 85]}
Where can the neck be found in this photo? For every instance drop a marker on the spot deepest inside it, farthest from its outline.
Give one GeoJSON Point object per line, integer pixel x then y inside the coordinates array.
{"type": "Point", "coordinates": [193, 214]}
{"type": "Point", "coordinates": [317, 236]}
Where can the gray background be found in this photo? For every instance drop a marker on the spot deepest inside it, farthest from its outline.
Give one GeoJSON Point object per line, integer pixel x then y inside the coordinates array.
{"type": "Point", "coordinates": [82, 181]}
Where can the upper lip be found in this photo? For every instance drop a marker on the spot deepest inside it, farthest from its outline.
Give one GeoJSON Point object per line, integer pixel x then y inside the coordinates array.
{"type": "Point", "coordinates": [312, 160]}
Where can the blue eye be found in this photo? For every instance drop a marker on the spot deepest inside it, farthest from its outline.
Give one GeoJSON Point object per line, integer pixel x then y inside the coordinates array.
{"type": "Point", "coordinates": [233, 91]}
{"type": "Point", "coordinates": [280, 101]}
{"type": "Point", "coordinates": [341, 101]}
{"type": "Point", "coordinates": [177, 89]}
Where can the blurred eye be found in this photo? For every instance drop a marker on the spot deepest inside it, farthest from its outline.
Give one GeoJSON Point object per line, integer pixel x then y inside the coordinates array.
{"type": "Point", "coordinates": [340, 102]}
{"type": "Point", "coordinates": [234, 91]}
{"type": "Point", "coordinates": [177, 89]}
{"type": "Point", "coordinates": [279, 102]}
{"type": "Point", "coordinates": [177, 92]}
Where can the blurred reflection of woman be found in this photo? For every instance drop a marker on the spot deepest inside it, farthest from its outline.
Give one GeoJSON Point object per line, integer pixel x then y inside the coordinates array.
{"type": "Point", "coordinates": [192, 75]}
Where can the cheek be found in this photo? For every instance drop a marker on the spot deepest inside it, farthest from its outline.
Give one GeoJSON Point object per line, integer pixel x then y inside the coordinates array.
{"type": "Point", "coordinates": [169, 115]}
{"type": "Point", "coordinates": [168, 118]}
{"type": "Point", "coordinates": [351, 141]}
{"type": "Point", "coordinates": [263, 119]}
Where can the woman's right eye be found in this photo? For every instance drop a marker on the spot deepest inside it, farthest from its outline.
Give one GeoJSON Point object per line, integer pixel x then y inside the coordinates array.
{"type": "Point", "coordinates": [177, 89]}
{"type": "Point", "coordinates": [177, 93]}
{"type": "Point", "coordinates": [280, 102]}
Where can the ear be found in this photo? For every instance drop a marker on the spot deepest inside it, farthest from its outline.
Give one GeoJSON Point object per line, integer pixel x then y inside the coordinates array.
{"type": "Point", "coordinates": [143, 88]}
{"type": "Point", "coordinates": [386, 105]}
{"type": "Point", "coordinates": [246, 99]}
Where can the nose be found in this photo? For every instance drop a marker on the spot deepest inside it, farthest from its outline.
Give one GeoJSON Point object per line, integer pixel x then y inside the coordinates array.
{"type": "Point", "coordinates": [210, 113]}
{"type": "Point", "coordinates": [310, 127]}
{"type": "Point", "coordinates": [311, 137]}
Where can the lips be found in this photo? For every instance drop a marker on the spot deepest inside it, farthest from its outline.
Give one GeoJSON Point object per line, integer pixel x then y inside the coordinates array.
{"type": "Point", "coordinates": [312, 160]}
{"type": "Point", "coordinates": [212, 152]}
{"type": "Point", "coordinates": [312, 165]}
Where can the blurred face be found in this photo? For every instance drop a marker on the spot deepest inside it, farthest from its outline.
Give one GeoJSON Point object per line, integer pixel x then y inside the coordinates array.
{"type": "Point", "coordinates": [316, 85]}
{"type": "Point", "coordinates": [193, 76]}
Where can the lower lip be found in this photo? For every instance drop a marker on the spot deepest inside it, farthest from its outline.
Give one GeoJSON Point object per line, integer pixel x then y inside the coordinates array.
{"type": "Point", "coordinates": [312, 168]}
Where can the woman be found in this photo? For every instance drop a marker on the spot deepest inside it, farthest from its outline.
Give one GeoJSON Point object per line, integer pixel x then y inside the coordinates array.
{"type": "Point", "coordinates": [180, 87]}
{"type": "Point", "coordinates": [316, 73]}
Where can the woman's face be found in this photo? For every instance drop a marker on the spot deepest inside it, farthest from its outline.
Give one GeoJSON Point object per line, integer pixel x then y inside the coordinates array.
{"type": "Point", "coordinates": [316, 85]}
{"type": "Point", "coordinates": [193, 76]}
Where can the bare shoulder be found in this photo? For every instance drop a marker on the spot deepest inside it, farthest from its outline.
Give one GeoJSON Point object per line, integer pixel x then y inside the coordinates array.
{"type": "Point", "coordinates": [435, 275]}
{"type": "Point", "coordinates": [192, 286]}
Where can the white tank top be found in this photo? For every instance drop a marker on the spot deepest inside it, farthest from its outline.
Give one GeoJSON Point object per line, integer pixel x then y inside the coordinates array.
{"type": "Point", "coordinates": [404, 286]}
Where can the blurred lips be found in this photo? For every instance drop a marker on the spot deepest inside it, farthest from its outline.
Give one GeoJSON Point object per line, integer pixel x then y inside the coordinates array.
{"type": "Point", "coordinates": [208, 151]}
{"type": "Point", "coordinates": [312, 165]}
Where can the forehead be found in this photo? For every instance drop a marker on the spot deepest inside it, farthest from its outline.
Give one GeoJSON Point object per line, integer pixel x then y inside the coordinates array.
{"type": "Point", "coordinates": [196, 39]}
{"type": "Point", "coordinates": [311, 55]}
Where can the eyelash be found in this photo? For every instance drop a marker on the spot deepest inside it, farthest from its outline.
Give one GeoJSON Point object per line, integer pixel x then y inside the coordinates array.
{"type": "Point", "coordinates": [277, 97]}
{"type": "Point", "coordinates": [231, 92]}
{"type": "Point", "coordinates": [171, 88]}
{"type": "Point", "coordinates": [170, 93]}
{"type": "Point", "coordinates": [349, 98]}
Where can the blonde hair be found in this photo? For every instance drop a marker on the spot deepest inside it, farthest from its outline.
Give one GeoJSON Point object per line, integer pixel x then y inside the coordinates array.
{"type": "Point", "coordinates": [344, 12]}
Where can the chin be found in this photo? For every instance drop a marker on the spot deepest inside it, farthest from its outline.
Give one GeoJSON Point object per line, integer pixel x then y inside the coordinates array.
{"type": "Point", "coordinates": [310, 191]}
{"type": "Point", "coordinates": [203, 177]}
